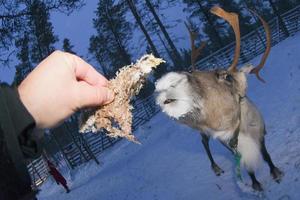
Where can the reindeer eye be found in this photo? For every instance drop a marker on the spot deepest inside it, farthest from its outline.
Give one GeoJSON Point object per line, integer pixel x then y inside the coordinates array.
{"type": "Point", "coordinates": [224, 76]}
{"type": "Point", "coordinates": [229, 78]}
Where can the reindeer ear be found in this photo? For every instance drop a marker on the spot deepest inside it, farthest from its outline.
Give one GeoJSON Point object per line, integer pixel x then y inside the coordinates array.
{"type": "Point", "coordinates": [246, 69]}
{"type": "Point", "coordinates": [241, 79]}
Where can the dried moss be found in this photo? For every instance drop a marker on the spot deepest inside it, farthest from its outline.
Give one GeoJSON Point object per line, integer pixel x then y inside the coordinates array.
{"type": "Point", "coordinates": [127, 83]}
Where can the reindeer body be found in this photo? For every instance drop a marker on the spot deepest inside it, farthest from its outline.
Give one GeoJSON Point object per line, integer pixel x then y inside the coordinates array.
{"type": "Point", "coordinates": [215, 103]}
{"type": "Point", "coordinates": [214, 107]}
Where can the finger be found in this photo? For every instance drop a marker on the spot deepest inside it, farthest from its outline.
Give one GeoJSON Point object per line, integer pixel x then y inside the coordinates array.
{"type": "Point", "coordinates": [93, 95]}
{"type": "Point", "coordinates": [85, 72]}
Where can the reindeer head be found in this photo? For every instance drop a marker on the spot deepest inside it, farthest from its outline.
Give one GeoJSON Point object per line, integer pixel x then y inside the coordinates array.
{"type": "Point", "coordinates": [209, 100]}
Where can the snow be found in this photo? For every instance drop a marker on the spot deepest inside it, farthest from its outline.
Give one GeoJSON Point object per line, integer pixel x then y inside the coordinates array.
{"type": "Point", "coordinates": [171, 163]}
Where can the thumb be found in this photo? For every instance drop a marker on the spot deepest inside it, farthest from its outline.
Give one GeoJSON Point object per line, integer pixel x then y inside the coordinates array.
{"type": "Point", "coordinates": [93, 95]}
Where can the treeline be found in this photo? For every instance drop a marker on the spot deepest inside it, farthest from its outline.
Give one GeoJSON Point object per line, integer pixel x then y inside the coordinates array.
{"type": "Point", "coordinates": [27, 32]}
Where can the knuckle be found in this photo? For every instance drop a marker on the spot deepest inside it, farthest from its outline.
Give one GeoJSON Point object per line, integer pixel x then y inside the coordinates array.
{"type": "Point", "coordinates": [57, 52]}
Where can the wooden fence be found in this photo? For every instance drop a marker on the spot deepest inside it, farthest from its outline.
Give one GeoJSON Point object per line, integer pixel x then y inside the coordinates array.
{"type": "Point", "coordinates": [87, 146]}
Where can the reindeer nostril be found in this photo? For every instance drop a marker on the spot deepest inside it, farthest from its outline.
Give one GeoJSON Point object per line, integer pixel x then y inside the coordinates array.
{"type": "Point", "coordinates": [169, 101]}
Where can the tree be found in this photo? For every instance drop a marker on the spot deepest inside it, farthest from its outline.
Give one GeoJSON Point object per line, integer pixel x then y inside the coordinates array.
{"type": "Point", "coordinates": [14, 14]}
{"type": "Point", "coordinates": [186, 53]}
{"type": "Point", "coordinates": [244, 15]}
{"type": "Point", "coordinates": [281, 22]}
{"type": "Point", "coordinates": [25, 66]}
{"type": "Point", "coordinates": [134, 11]}
{"type": "Point", "coordinates": [261, 7]}
{"type": "Point", "coordinates": [200, 9]}
{"type": "Point", "coordinates": [101, 52]}
{"type": "Point", "coordinates": [167, 49]}
{"type": "Point", "coordinates": [113, 30]}
{"type": "Point", "coordinates": [43, 38]}
{"type": "Point", "coordinates": [285, 5]}
{"type": "Point", "coordinates": [67, 46]}
{"type": "Point", "coordinates": [174, 51]}
{"type": "Point", "coordinates": [218, 31]}
{"type": "Point", "coordinates": [133, 8]}
{"type": "Point", "coordinates": [37, 42]}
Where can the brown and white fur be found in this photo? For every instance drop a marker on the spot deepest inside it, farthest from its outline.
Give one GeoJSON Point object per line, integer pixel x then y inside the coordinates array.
{"type": "Point", "coordinates": [215, 103]}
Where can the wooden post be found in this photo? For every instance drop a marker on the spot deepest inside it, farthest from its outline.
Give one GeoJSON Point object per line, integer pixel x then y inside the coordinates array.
{"type": "Point", "coordinates": [62, 151]}
{"type": "Point", "coordinates": [87, 148]}
{"type": "Point", "coordinates": [102, 141]}
{"type": "Point", "coordinates": [32, 175]}
{"type": "Point", "coordinates": [84, 144]}
{"type": "Point", "coordinates": [75, 142]}
{"type": "Point", "coordinates": [36, 171]}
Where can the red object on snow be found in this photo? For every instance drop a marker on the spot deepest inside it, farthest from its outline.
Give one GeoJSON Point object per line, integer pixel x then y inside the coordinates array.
{"type": "Point", "coordinates": [57, 175]}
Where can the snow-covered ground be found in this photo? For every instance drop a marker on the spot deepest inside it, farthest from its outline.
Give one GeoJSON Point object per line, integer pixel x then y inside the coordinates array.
{"type": "Point", "coordinates": [171, 163]}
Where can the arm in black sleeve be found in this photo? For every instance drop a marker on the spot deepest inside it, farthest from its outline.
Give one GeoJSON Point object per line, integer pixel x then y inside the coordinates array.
{"type": "Point", "coordinates": [17, 142]}
{"type": "Point", "coordinates": [21, 121]}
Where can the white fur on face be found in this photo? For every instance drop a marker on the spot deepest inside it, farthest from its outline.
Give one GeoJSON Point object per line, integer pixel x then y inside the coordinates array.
{"type": "Point", "coordinates": [174, 86]}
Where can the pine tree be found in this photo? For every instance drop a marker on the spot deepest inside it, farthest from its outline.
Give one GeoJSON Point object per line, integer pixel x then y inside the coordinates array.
{"type": "Point", "coordinates": [218, 31]}
{"type": "Point", "coordinates": [174, 52]}
{"type": "Point", "coordinates": [157, 25]}
{"type": "Point", "coordinates": [25, 66]}
{"type": "Point", "coordinates": [281, 22]}
{"type": "Point", "coordinates": [261, 7]}
{"type": "Point", "coordinates": [43, 38]}
{"type": "Point", "coordinates": [200, 10]}
{"type": "Point", "coordinates": [100, 50]}
{"type": "Point", "coordinates": [36, 43]}
{"type": "Point", "coordinates": [167, 49]}
{"type": "Point", "coordinates": [132, 7]}
{"type": "Point", "coordinates": [285, 5]}
{"type": "Point", "coordinates": [14, 16]}
{"type": "Point", "coordinates": [244, 16]}
{"type": "Point", "coordinates": [113, 30]}
{"type": "Point", "coordinates": [67, 46]}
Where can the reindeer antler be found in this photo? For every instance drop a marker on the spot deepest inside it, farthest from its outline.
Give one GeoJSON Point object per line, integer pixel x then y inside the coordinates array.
{"type": "Point", "coordinates": [233, 20]}
{"type": "Point", "coordinates": [268, 47]}
{"type": "Point", "coordinates": [195, 52]}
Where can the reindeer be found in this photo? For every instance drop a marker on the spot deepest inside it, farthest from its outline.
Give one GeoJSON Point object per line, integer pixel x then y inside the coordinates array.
{"type": "Point", "coordinates": [215, 103]}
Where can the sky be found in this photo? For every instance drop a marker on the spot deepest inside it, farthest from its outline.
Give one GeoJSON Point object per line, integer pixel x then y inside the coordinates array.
{"type": "Point", "coordinates": [78, 27]}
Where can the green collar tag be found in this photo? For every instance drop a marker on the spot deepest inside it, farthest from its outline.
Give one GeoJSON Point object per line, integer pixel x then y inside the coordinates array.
{"type": "Point", "coordinates": [237, 158]}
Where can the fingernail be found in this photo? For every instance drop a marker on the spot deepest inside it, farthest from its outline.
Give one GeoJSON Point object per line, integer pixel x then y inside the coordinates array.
{"type": "Point", "coordinates": [110, 96]}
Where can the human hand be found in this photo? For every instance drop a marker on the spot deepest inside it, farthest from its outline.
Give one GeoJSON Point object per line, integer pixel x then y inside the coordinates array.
{"type": "Point", "coordinates": [60, 85]}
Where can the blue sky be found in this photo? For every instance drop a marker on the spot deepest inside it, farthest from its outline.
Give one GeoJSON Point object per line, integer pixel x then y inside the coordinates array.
{"type": "Point", "coordinates": [78, 27]}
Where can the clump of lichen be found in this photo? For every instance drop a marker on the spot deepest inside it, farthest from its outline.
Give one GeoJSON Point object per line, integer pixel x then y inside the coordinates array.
{"type": "Point", "coordinates": [116, 117]}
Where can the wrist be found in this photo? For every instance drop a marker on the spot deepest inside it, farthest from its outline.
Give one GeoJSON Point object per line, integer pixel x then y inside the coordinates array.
{"type": "Point", "coordinates": [27, 103]}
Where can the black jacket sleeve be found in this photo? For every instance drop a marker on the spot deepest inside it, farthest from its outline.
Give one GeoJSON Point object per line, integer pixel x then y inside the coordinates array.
{"type": "Point", "coordinates": [19, 122]}
{"type": "Point", "coordinates": [17, 143]}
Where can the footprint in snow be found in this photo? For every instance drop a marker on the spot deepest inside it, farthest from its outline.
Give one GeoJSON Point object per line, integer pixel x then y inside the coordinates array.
{"type": "Point", "coordinates": [285, 197]}
{"type": "Point", "coordinates": [297, 165]}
